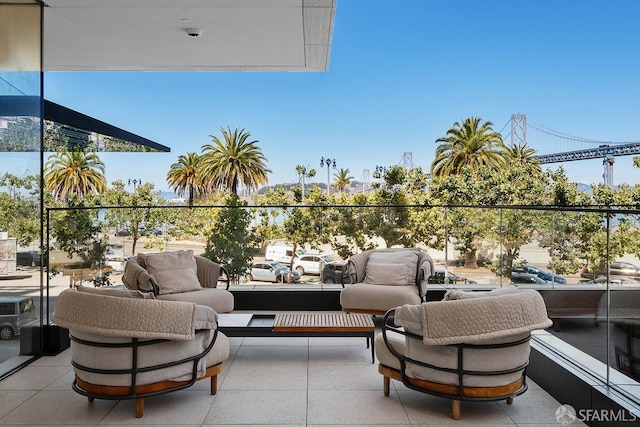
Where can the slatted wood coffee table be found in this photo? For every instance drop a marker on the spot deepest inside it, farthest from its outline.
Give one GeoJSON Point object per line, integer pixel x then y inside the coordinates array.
{"type": "Point", "coordinates": [303, 324]}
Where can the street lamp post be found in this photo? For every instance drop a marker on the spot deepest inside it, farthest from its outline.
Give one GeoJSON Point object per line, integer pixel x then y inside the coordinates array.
{"type": "Point", "coordinates": [328, 162]}
{"type": "Point", "coordinates": [135, 183]}
{"type": "Point", "coordinates": [380, 171]}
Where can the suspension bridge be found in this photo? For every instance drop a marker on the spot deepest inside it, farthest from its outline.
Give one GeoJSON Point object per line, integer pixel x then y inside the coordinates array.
{"type": "Point", "coordinates": [519, 130]}
{"type": "Point", "coordinates": [576, 148]}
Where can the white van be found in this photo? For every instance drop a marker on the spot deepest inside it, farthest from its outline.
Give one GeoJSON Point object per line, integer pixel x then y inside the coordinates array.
{"type": "Point", "coordinates": [281, 253]}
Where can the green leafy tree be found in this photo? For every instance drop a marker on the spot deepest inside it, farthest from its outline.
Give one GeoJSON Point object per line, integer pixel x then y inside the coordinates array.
{"type": "Point", "coordinates": [269, 219]}
{"type": "Point", "coordinates": [350, 229]}
{"type": "Point", "coordinates": [74, 173]}
{"type": "Point", "coordinates": [232, 161]}
{"type": "Point", "coordinates": [560, 231]}
{"type": "Point", "coordinates": [415, 182]}
{"type": "Point", "coordinates": [231, 239]}
{"type": "Point", "coordinates": [467, 145]}
{"type": "Point", "coordinates": [304, 225]}
{"type": "Point", "coordinates": [137, 212]}
{"type": "Point", "coordinates": [390, 217]}
{"type": "Point", "coordinates": [605, 236]}
{"type": "Point", "coordinates": [184, 176]}
{"type": "Point", "coordinates": [77, 231]}
{"type": "Point", "coordinates": [515, 184]}
{"type": "Point", "coordinates": [474, 168]}
{"type": "Point", "coordinates": [19, 207]}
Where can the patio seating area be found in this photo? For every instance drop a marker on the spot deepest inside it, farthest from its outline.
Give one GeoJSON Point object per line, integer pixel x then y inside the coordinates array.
{"type": "Point", "coordinates": [296, 381]}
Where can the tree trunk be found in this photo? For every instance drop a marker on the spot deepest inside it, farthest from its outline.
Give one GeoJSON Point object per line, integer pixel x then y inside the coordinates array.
{"type": "Point", "coordinates": [470, 260]}
{"type": "Point", "coordinates": [293, 257]}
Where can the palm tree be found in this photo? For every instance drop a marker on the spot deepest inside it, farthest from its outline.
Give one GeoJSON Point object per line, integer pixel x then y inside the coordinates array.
{"type": "Point", "coordinates": [304, 172]}
{"type": "Point", "coordinates": [342, 179]}
{"type": "Point", "coordinates": [186, 176]}
{"type": "Point", "coordinates": [521, 154]}
{"type": "Point", "coordinates": [69, 173]}
{"type": "Point", "coordinates": [234, 160]}
{"type": "Point", "coordinates": [467, 145]}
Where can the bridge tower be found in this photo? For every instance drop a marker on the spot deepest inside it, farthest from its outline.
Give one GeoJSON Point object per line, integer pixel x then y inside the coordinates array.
{"type": "Point", "coordinates": [407, 160]}
{"type": "Point", "coordinates": [366, 179]}
{"type": "Point", "coordinates": [518, 129]}
{"type": "Point", "coordinates": [607, 164]}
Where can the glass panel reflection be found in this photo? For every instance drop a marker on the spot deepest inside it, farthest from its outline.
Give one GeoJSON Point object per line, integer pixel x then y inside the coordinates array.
{"type": "Point", "coordinates": [20, 215]}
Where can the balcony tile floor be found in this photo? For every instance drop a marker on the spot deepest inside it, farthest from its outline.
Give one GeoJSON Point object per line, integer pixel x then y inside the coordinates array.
{"type": "Point", "coordinates": [266, 381]}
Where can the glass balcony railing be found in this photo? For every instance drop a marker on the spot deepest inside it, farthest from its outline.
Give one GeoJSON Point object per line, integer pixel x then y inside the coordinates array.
{"type": "Point", "coordinates": [584, 261]}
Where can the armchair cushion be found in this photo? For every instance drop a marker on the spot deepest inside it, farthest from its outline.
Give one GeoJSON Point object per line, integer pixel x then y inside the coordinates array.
{"type": "Point", "coordinates": [378, 298]}
{"type": "Point", "coordinates": [220, 300]}
{"type": "Point", "coordinates": [173, 272]}
{"type": "Point", "coordinates": [392, 268]}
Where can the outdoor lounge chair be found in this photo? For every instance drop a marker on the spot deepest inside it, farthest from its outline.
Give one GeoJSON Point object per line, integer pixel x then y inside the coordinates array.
{"type": "Point", "coordinates": [473, 348]}
{"type": "Point", "coordinates": [180, 276]}
{"type": "Point", "coordinates": [127, 345]}
{"type": "Point", "coordinates": [381, 279]}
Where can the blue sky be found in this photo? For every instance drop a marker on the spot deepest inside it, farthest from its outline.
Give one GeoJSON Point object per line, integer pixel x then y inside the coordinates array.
{"type": "Point", "coordinates": [400, 74]}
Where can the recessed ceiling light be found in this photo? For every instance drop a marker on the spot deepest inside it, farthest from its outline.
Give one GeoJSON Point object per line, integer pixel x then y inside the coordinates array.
{"type": "Point", "coordinates": [193, 32]}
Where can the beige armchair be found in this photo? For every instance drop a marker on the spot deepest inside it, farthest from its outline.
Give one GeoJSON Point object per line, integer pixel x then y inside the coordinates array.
{"type": "Point", "coordinates": [180, 276]}
{"type": "Point", "coordinates": [475, 347]}
{"type": "Point", "coordinates": [381, 279]}
{"type": "Point", "coordinates": [128, 345]}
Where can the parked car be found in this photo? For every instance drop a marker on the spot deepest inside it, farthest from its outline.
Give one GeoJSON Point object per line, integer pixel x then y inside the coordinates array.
{"type": "Point", "coordinates": [528, 278]}
{"type": "Point", "coordinates": [116, 263]}
{"type": "Point", "coordinates": [271, 271]}
{"type": "Point", "coordinates": [15, 314]}
{"type": "Point", "coordinates": [29, 258]}
{"type": "Point", "coordinates": [613, 280]}
{"type": "Point", "coordinates": [618, 268]}
{"type": "Point", "coordinates": [150, 232]}
{"type": "Point", "coordinates": [332, 273]}
{"type": "Point", "coordinates": [540, 272]}
{"type": "Point", "coordinates": [311, 263]}
{"type": "Point", "coordinates": [439, 276]}
{"type": "Point", "coordinates": [122, 233]}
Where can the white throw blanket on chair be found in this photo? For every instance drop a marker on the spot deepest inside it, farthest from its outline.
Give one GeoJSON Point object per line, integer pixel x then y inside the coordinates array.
{"type": "Point", "coordinates": [479, 319]}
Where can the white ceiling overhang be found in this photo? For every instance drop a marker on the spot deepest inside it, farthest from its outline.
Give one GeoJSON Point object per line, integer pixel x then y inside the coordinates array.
{"type": "Point", "coordinates": [150, 35]}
